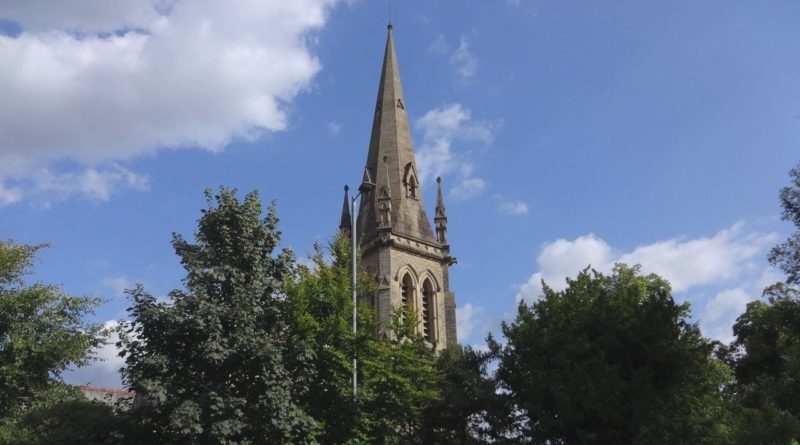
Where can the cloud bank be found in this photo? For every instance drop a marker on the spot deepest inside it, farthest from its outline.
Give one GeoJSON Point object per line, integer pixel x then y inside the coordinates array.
{"type": "Point", "coordinates": [93, 82]}
{"type": "Point", "coordinates": [731, 261]}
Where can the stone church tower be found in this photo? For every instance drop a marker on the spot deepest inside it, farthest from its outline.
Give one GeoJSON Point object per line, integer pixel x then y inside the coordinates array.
{"type": "Point", "coordinates": [399, 247]}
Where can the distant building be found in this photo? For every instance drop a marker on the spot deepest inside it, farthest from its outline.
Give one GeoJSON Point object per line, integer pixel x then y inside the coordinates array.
{"type": "Point", "coordinates": [113, 396]}
{"type": "Point", "coordinates": [410, 262]}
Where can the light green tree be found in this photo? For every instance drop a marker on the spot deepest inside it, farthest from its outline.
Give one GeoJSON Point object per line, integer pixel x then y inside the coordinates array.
{"type": "Point", "coordinates": [397, 376]}
{"type": "Point", "coordinates": [43, 331]}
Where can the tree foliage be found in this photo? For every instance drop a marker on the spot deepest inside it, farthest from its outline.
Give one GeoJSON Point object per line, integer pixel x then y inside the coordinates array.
{"type": "Point", "coordinates": [61, 415]}
{"type": "Point", "coordinates": [397, 376]}
{"type": "Point", "coordinates": [765, 354]}
{"type": "Point", "coordinates": [320, 300]}
{"type": "Point", "coordinates": [217, 363]}
{"type": "Point", "coordinates": [42, 332]}
{"type": "Point", "coordinates": [469, 410]}
{"type": "Point", "coordinates": [612, 359]}
{"type": "Point", "coordinates": [787, 254]}
{"type": "Point", "coordinates": [767, 367]}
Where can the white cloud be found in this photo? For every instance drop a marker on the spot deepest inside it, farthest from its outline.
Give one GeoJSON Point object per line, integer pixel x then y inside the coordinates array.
{"type": "Point", "coordinates": [723, 308]}
{"type": "Point", "coordinates": [118, 284]}
{"type": "Point", "coordinates": [84, 16]}
{"type": "Point", "coordinates": [140, 76]}
{"type": "Point", "coordinates": [468, 188]}
{"type": "Point", "coordinates": [467, 320]}
{"type": "Point", "coordinates": [441, 128]}
{"type": "Point", "coordinates": [726, 304]}
{"type": "Point", "coordinates": [464, 62]}
{"type": "Point", "coordinates": [105, 371]}
{"type": "Point", "coordinates": [685, 263]}
{"type": "Point", "coordinates": [439, 46]}
{"type": "Point", "coordinates": [334, 128]}
{"type": "Point", "coordinates": [561, 259]}
{"type": "Point", "coordinates": [726, 262]}
{"type": "Point", "coordinates": [91, 183]}
{"type": "Point", "coordinates": [703, 260]}
{"type": "Point", "coordinates": [513, 208]}
{"type": "Point", "coordinates": [9, 195]}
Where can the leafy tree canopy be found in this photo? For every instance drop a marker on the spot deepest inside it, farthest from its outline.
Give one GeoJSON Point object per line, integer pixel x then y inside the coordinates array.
{"type": "Point", "coordinates": [766, 363]}
{"type": "Point", "coordinates": [469, 410]}
{"type": "Point", "coordinates": [787, 254]}
{"type": "Point", "coordinates": [216, 362]}
{"type": "Point", "coordinates": [612, 359]}
{"type": "Point", "coordinates": [42, 332]}
{"type": "Point", "coordinates": [61, 415]}
{"type": "Point", "coordinates": [397, 377]}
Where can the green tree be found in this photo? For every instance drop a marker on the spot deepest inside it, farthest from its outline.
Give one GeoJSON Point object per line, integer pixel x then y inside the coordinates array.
{"type": "Point", "coordinates": [612, 359]}
{"type": "Point", "coordinates": [765, 354]}
{"type": "Point", "coordinates": [469, 410]}
{"type": "Point", "coordinates": [216, 362]}
{"type": "Point", "coordinates": [320, 299]}
{"type": "Point", "coordinates": [397, 376]}
{"type": "Point", "coordinates": [400, 380]}
{"type": "Point", "coordinates": [63, 416]}
{"type": "Point", "coordinates": [766, 363]}
{"type": "Point", "coordinates": [42, 332]}
{"type": "Point", "coordinates": [787, 254]}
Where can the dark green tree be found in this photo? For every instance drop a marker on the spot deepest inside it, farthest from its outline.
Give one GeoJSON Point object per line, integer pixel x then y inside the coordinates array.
{"type": "Point", "coordinates": [469, 410]}
{"type": "Point", "coordinates": [42, 332]}
{"type": "Point", "coordinates": [217, 363]}
{"type": "Point", "coordinates": [787, 254]}
{"type": "Point", "coordinates": [766, 363]}
{"type": "Point", "coordinates": [397, 376]}
{"type": "Point", "coordinates": [765, 355]}
{"type": "Point", "coordinates": [612, 359]}
{"type": "Point", "coordinates": [63, 416]}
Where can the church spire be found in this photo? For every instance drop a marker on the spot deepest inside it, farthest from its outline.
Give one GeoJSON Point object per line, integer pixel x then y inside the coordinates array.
{"type": "Point", "coordinates": [345, 225]}
{"type": "Point", "coordinates": [390, 144]}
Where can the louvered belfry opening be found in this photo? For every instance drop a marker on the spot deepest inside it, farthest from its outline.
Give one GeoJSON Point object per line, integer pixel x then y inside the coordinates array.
{"type": "Point", "coordinates": [427, 311]}
{"type": "Point", "coordinates": [406, 288]}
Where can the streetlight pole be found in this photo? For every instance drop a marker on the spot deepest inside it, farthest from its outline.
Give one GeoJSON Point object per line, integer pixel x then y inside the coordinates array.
{"type": "Point", "coordinates": [353, 235]}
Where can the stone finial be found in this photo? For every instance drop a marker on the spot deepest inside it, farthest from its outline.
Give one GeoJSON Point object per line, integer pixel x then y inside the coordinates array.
{"type": "Point", "coordinates": [384, 200]}
{"type": "Point", "coordinates": [345, 224]}
{"type": "Point", "coordinates": [440, 220]}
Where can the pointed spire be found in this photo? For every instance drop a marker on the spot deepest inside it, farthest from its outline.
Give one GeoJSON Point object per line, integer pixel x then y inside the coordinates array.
{"type": "Point", "coordinates": [391, 143]}
{"type": "Point", "coordinates": [441, 216]}
{"type": "Point", "coordinates": [345, 225]}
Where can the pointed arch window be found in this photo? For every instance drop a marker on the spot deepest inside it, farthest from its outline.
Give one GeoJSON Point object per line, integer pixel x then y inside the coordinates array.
{"type": "Point", "coordinates": [428, 311]}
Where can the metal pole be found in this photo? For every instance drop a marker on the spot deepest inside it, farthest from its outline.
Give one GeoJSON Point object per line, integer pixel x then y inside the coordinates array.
{"type": "Point", "coordinates": [353, 282]}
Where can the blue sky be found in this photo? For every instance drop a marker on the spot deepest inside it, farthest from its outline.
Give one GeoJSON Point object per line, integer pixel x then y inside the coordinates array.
{"type": "Point", "coordinates": [566, 135]}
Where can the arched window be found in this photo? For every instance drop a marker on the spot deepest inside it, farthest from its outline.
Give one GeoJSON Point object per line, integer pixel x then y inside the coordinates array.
{"type": "Point", "coordinates": [428, 310]}
{"type": "Point", "coordinates": [406, 293]}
